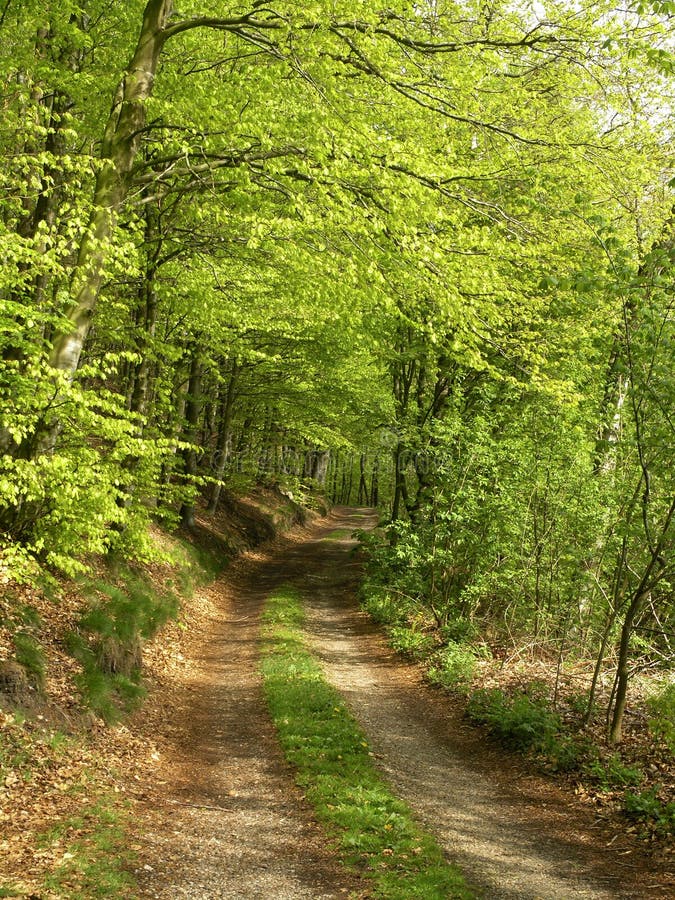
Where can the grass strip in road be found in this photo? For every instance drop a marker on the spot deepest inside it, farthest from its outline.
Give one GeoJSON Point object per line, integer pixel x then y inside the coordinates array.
{"type": "Point", "coordinates": [374, 831]}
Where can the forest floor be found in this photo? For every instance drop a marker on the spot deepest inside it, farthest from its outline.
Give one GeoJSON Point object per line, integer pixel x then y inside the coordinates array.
{"type": "Point", "coordinates": [216, 810]}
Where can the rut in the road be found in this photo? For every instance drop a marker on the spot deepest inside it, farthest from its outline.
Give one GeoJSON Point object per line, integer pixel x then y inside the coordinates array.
{"type": "Point", "coordinates": [223, 818]}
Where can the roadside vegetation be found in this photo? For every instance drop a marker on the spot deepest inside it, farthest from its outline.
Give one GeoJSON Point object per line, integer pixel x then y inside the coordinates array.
{"type": "Point", "coordinates": [374, 832]}
{"type": "Point", "coordinates": [535, 703]}
{"type": "Point", "coordinates": [62, 822]}
{"type": "Point", "coordinates": [76, 675]}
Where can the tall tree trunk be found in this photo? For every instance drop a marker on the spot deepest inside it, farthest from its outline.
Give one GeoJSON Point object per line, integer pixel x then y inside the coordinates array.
{"type": "Point", "coordinates": [400, 484]}
{"type": "Point", "coordinates": [121, 141]}
{"type": "Point", "coordinates": [320, 461]}
{"type": "Point", "coordinates": [647, 583]}
{"type": "Point", "coordinates": [224, 443]}
{"type": "Point", "coordinates": [375, 483]}
{"type": "Point", "coordinates": [363, 486]}
{"type": "Point", "coordinates": [335, 476]}
{"type": "Point", "coordinates": [192, 412]}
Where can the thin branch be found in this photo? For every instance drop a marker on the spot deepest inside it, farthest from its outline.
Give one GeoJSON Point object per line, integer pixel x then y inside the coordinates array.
{"type": "Point", "coordinates": [219, 24]}
{"type": "Point", "coordinates": [212, 162]}
{"type": "Point", "coordinates": [4, 12]}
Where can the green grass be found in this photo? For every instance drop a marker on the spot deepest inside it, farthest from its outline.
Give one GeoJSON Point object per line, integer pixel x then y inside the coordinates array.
{"type": "Point", "coordinates": [95, 860]}
{"type": "Point", "coordinates": [338, 534]}
{"type": "Point", "coordinates": [374, 831]}
{"type": "Point", "coordinates": [86, 851]}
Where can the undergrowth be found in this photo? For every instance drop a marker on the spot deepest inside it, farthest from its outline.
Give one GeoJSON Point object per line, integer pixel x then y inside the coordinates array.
{"type": "Point", "coordinates": [83, 851]}
{"type": "Point", "coordinates": [95, 860]}
{"type": "Point", "coordinates": [661, 708]}
{"type": "Point", "coordinates": [648, 809]}
{"type": "Point", "coordinates": [526, 720]}
{"type": "Point", "coordinates": [120, 615]}
{"type": "Point", "coordinates": [108, 641]}
{"type": "Point", "coordinates": [373, 830]}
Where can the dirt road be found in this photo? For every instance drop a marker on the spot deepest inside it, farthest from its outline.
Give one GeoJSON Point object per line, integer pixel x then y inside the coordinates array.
{"type": "Point", "coordinates": [223, 819]}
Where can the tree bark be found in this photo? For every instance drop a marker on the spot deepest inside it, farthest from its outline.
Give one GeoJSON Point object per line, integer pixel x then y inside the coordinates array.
{"type": "Point", "coordinates": [375, 484]}
{"type": "Point", "coordinates": [363, 486]}
{"type": "Point", "coordinates": [224, 443]}
{"type": "Point", "coordinates": [647, 583]}
{"type": "Point", "coordinates": [400, 484]}
{"type": "Point", "coordinates": [121, 142]}
{"type": "Point", "coordinates": [192, 412]}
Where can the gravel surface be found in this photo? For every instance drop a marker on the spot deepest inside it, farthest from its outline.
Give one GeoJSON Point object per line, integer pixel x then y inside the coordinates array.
{"type": "Point", "coordinates": [223, 819]}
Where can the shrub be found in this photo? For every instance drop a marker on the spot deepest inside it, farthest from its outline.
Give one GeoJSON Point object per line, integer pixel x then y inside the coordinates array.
{"type": "Point", "coordinates": [453, 666]}
{"type": "Point", "coordinates": [661, 706]}
{"type": "Point", "coordinates": [382, 606]}
{"type": "Point", "coordinates": [648, 808]}
{"type": "Point", "coordinates": [612, 772]}
{"type": "Point", "coordinates": [459, 630]}
{"type": "Point", "coordinates": [525, 722]}
{"type": "Point", "coordinates": [411, 643]}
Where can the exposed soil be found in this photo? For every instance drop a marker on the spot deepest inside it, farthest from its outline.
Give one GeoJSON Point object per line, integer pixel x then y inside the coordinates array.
{"type": "Point", "coordinates": [220, 816]}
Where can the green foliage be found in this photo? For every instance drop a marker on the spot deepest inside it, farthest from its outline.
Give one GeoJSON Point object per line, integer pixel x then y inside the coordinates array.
{"type": "Point", "coordinates": [481, 273]}
{"type": "Point", "coordinates": [611, 772]}
{"type": "Point", "coordinates": [15, 750]}
{"type": "Point", "coordinates": [524, 722]}
{"type": "Point", "coordinates": [97, 860]}
{"type": "Point", "coordinates": [29, 654]}
{"type": "Point", "coordinates": [383, 605]}
{"type": "Point", "coordinates": [197, 564]}
{"type": "Point", "coordinates": [23, 622]}
{"type": "Point", "coordinates": [108, 642]}
{"type": "Point", "coordinates": [647, 807]}
{"type": "Point", "coordinates": [661, 706]}
{"type": "Point", "coordinates": [453, 666]}
{"type": "Point", "coordinates": [411, 643]}
{"type": "Point", "coordinates": [374, 831]}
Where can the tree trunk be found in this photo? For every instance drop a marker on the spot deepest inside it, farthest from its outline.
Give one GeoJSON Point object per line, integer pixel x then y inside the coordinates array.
{"type": "Point", "coordinates": [400, 484]}
{"type": "Point", "coordinates": [192, 411]}
{"type": "Point", "coordinates": [363, 486]}
{"type": "Point", "coordinates": [375, 483]}
{"type": "Point", "coordinates": [320, 466]}
{"type": "Point", "coordinates": [647, 583]}
{"type": "Point", "coordinates": [119, 148]}
{"type": "Point", "coordinates": [224, 443]}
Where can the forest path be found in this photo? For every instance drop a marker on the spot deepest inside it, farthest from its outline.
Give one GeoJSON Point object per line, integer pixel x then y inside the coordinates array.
{"type": "Point", "coordinates": [224, 819]}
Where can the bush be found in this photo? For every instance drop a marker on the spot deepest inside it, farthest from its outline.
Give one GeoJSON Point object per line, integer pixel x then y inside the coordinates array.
{"type": "Point", "coordinates": [453, 666]}
{"type": "Point", "coordinates": [459, 631]}
{"type": "Point", "coordinates": [525, 723]}
{"type": "Point", "coordinates": [648, 808]}
{"type": "Point", "coordinates": [612, 772]}
{"type": "Point", "coordinates": [383, 608]}
{"type": "Point", "coordinates": [413, 644]}
{"type": "Point", "coordinates": [661, 706]}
